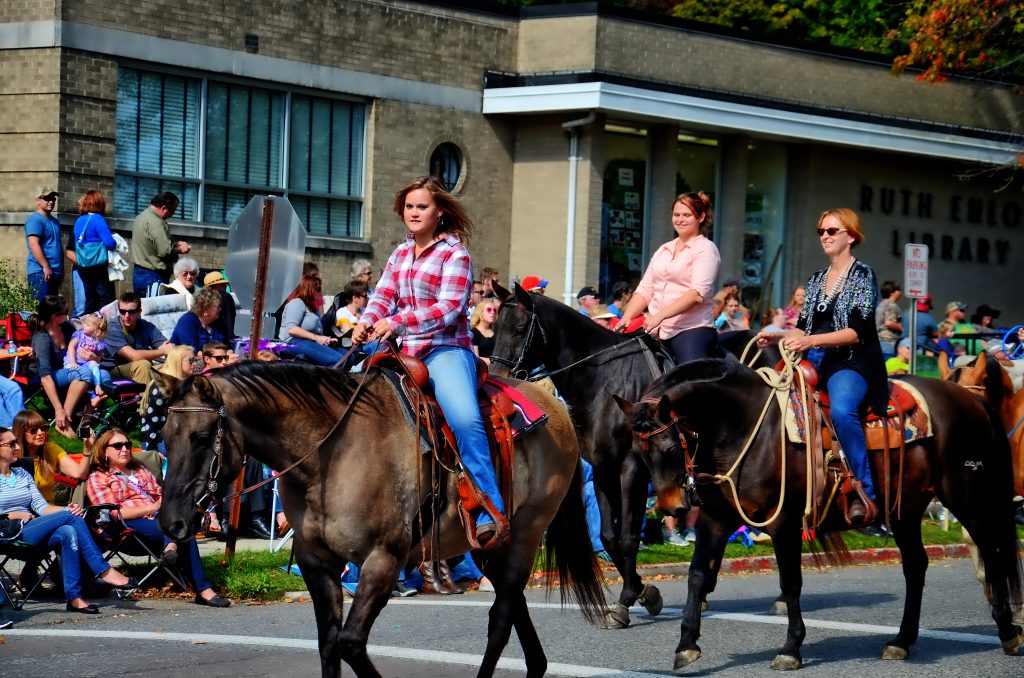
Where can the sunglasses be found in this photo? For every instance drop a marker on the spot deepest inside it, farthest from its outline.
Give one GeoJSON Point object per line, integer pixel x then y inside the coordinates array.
{"type": "Point", "coordinates": [127, 311]}
{"type": "Point", "coordinates": [830, 231]}
{"type": "Point", "coordinates": [489, 310]}
{"type": "Point", "coordinates": [188, 274]}
{"type": "Point", "coordinates": [12, 444]}
{"type": "Point", "coordinates": [36, 429]}
{"type": "Point", "coordinates": [120, 446]}
{"type": "Point", "coordinates": [218, 358]}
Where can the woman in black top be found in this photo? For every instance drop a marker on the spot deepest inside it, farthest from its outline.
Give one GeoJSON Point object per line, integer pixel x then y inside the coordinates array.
{"type": "Point", "coordinates": [50, 337]}
{"type": "Point", "coordinates": [481, 325]}
{"type": "Point", "coordinates": [837, 330]}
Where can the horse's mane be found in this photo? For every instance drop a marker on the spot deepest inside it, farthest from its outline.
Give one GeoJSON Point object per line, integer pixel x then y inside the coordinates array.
{"type": "Point", "coordinates": [577, 322]}
{"type": "Point", "coordinates": [299, 383]}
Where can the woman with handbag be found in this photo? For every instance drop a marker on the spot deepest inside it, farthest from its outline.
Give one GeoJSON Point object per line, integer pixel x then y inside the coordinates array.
{"type": "Point", "coordinates": [92, 240]}
{"type": "Point", "coordinates": [56, 526]}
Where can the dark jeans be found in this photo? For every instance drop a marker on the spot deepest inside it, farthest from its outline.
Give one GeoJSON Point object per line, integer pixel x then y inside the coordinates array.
{"type": "Point", "coordinates": [40, 287]}
{"type": "Point", "coordinates": [99, 291]}
{"type": "Point", "coordinates": [69, 533]}
{"type": "Point", "coordinates": [143, 280]}
{"type": "Point", "coordinates": [700, 342]}
{"type": "Point", "coordinates": [188, 556]}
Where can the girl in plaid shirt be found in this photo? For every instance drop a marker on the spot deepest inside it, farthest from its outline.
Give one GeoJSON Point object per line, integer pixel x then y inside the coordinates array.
{"type": "Point", "coordinates": [422, 298]}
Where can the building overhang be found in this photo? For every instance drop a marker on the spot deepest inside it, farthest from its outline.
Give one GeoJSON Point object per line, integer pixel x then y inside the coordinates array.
{"type": "Point", "coordinates": [766, 120]}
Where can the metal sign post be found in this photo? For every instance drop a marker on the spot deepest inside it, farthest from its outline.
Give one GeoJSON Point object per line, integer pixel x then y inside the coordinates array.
{"type": "Point", "coordinates": [915, 287]}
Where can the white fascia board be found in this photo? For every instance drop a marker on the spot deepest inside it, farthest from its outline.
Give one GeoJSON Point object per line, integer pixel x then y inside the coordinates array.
{"type": "Point", "coordinates": [203, 58]}
{"type": "Point", "coordinates": [736, 117]}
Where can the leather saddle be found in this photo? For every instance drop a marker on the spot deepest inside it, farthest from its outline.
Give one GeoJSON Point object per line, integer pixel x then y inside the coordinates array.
{"type": "Point", "coordinates": [496, 408]}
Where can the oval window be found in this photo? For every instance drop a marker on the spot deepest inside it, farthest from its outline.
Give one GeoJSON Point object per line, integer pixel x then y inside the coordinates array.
{"type": "Point", "coordinates": [446, 164]}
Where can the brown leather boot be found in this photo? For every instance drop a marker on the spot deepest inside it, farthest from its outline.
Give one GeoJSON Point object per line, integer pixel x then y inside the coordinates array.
{"type": "Point", "coordinates": [439, 580]}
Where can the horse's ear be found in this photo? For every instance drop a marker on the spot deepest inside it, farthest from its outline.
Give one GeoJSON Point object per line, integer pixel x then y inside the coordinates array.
{"type": "Point", "coordinates": [665, 408]}
{"type": "Point", "coordinates": [203, 388]}
{"type": "Point", "coordinates": [979, 368]}
{"type": "Point", "coordinates": [165, 382]}
{"type": "Point", "coordinates": [944, 369]}
{"type": "Point", "coordinates": [502, 293]}
{"type": "Point", "coordinates": [627, 406]}
{"type": "Point", "coordinates": [524, 297]}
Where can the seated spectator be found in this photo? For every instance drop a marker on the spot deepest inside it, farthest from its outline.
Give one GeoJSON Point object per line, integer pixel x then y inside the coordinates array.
{"type": "Point", "coordinates": [603, 316]}
{"type": "Point", "coordinates": [56, 526]}
{"type": "Point", "coordinates": [186, 269]}
{"type": "Point", "coordinates": [793, 308]}
{"type": "Point", "coordinates": [731, 318]}
{"type": "Point", "coordinates": [732, 286]}
{"type": "Point", "coordinates": [532, 283]}
{"type": "Point", "coordinates": [51, 334]}
{"type": "Point", "coordinates": [983, 319]}
{"type": "Point", "coordinates": [362, 271]}
{"type": "Point", "coordinates": [33, 435]}
{"type": "Point", "coordinates": [622, 292]}
{"type": "Point", "coordinates": [119, 479]}
{"type": "Point", "coordinates": [774, 320]}
{"type": "Point", "coordinates": [943, 343]}
{"type": "Point", "coordinates": [302, 329]}
{"type": "Point", "coordinates": [587, 298]}
{"type": "Point", "coordinates": [228, 303]}
{"type": "Point", "coordinates": [12, 401]}
{"type": "Point", "coordinates": [481, 325]}
{"type": "Point", "coordinates": [488, 276]}
{"type": "Point", "coordinates": [348, 305]}
{"type": "Point", "coordinates": [133, 342]}
{"type": "Point", "coordinates": [899, 363]}
{"type": "Point", "coordinates": [199, 326]}
{"type": "Point", "coordinates": [180, 363]}
{"type": "Point", "coordinates": [215, 356]}
{"type": "Point", "coordinates": [86, 349]}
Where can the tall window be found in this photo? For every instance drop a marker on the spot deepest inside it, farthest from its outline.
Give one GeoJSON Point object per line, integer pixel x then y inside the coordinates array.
{"type": "Point", "coordinates": [314, 155]}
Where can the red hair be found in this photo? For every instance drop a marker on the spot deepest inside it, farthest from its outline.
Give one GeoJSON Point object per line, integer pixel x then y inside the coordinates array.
{"type": "Point", "coordinates": [93, 202]}
{"type": "Point", "coordinates": [306, 290]}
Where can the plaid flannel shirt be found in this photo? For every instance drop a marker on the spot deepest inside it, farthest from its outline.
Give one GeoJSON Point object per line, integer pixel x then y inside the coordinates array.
{"type": "Point", "coordinates": [425, 298]}
{"type": "Point", "coordinates": [111, 487]}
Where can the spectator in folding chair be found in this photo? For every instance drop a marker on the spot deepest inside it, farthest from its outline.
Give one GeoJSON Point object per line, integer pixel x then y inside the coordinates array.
{"type": "Point", "coordinates": [12, 401]}
{"type": "Point", "coordinates": [120, 480]}
{"type": "Point", "coordinates": [33, 436]}
{"type": "Point", "coordinates": [55, 526]}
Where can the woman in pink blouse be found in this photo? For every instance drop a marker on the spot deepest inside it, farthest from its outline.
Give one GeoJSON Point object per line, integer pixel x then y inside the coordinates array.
{"type": "Point", "coordinates": [422, 298]}
{"type": "Point", "coordinates": [676, 290]}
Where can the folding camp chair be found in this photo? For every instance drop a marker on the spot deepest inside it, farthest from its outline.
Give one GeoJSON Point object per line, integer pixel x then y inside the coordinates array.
{"type": "Point", "coordinates": [119, 542]}
{"type": "Point", "coordinates": [12, 584]}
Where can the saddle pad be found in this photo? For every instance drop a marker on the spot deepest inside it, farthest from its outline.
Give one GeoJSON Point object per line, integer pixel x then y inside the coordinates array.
{"type": "Point", "coordinates": [917, 421]}
{"type": "Point", "coordinates": [525, 416]}
{"type": "Point", "coordinates": [900, 393]}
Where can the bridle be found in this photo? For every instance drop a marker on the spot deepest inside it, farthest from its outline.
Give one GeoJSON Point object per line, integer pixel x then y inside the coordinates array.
{"type": "Point", "coordinates": [217, 461]}
{"type": "Point", "coordinates": [515, 367]}
{"type": "Point", "coordinates": [675, 422]}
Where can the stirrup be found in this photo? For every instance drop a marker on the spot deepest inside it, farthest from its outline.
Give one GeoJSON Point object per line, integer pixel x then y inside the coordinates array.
{"type": "Point", "coordinates": [494, 534]}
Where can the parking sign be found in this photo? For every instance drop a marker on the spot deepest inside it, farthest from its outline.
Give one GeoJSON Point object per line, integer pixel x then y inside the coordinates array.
{"type": "Point", "coordinates": [915, 271]}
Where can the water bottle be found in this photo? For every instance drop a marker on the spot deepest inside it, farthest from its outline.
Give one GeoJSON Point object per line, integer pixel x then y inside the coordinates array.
{"type": "Point", "coordinates": [11, 347]}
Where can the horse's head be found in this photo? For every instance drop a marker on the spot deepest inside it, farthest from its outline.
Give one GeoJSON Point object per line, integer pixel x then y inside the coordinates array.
{"type": "Point", "coordinates": [518, 335]}
{"type": "Point", "coordinates": [199, 456]}
{"type": "Point", "coordinates": [660, 439]}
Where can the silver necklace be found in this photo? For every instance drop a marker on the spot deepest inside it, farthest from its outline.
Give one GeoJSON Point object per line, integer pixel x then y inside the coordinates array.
{"type": "Point", "coordinates": [837, 286]}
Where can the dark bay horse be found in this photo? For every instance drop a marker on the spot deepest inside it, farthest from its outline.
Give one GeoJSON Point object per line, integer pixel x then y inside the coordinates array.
{"type": "Point", "coordinates": [587, 364]}
{"type": "Point", "coordinates": [714, 407]}
{"type": "Point", "coordinates": [358, 483]}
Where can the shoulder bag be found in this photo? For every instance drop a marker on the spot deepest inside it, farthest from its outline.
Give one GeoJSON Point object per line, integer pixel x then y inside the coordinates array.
{"type": "Point", "coordinates": [90, 253]}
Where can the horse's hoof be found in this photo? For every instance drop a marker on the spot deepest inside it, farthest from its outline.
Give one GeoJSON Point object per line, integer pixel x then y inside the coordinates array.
{"type": "Point", "coordinates": [779, 609]}
{"type": "Point", "coordinates": [651, 599]}
{"type": "Point", "coordinates": [1013, 645]}
{"type": "Point", "coordinates": [895, 652]}
{"type": "Point", "coordinates": [786, 662]}
{"type": "Point", "coordinates": [685, 658]}
{"type": "Point", "coordinates": [616, 616]}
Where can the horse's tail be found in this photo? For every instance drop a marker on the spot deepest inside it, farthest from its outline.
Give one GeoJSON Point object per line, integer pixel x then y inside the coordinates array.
{"type": "Point", "coordinates": [567, 548]}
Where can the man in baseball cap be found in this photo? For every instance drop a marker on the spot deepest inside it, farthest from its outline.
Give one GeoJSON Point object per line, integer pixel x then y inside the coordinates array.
{"type": "Point", "coordinates": [588, 299]}
{"type": "Point", "coordinates": [45, 264]}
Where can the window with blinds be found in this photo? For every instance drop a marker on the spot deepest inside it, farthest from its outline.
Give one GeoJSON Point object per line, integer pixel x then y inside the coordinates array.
{"type": "Point", "coordinates": [218, 144]}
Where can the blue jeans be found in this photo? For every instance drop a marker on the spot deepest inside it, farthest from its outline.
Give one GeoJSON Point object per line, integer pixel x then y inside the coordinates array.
{"type": "Point", "coordinates": [11, 401]}
{"type": "Point", "coordinates": [79, 293]}
{"type": "Point", "coordinates": [64, 376]}
{"type": "Point", "coordinates": [189, 557]}
{"type": "Point", "coordinates": [453, 380]}
{"type": "Point", "coordinates": [40, 288]}
{"type": "Point", "coordinates": [309, 350]}
{"type": "Point", "coordinates": [71, 534]}
{"type": "Point", "coordinates": [590, 503]}
{"type": "Point", "coordinates": [145, 281]}
{"type": "Point", "coordinates": [846, 392]}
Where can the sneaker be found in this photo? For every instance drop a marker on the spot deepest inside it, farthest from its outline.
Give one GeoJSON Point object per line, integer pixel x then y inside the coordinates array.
{"type": "Point", "coordinates": [348, 590]}
{"type": "Point", "coordinates": [6, 623]}
{"type": "Point", "coordinates": [676, 539]}
{"type": "Point", "coordinates": [690, 535]}
{"type": "Point", "coordinates": [603, 555]}
{"type": "Point", "coordinates": [401, 590]}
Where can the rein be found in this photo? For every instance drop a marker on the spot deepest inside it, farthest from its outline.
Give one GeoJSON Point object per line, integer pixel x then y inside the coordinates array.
{"type": "Point", "coordinates": [217, 462]}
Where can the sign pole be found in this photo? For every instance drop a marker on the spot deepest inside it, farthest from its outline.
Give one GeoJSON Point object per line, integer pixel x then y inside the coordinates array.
{"type": "Point", "coordinates": [262, 259]}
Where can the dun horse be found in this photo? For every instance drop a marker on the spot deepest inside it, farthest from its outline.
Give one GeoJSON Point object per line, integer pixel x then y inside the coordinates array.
{"type": "Point", "coordinates": [353, 483]}
{"type": "Point", "coordinates": [713, 407]}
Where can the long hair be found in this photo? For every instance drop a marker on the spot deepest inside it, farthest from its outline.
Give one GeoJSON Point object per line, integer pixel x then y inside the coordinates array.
{"type": "Point", "coordinates": [23, 421]}
{"type": "Point", "coordinates": [306, 290]}
{"type": "Point", "coordinates": [50, 306]}
{"type": "Point", "coordinates": [452, 218]}
{"type": "Point", "coordinates": [99, 450]}
{"type": "Point", "coordinates": [478, 312]}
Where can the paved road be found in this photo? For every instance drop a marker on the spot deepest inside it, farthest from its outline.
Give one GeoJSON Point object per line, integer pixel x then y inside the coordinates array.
{"type": "Point", "coordinates": [849, 613]}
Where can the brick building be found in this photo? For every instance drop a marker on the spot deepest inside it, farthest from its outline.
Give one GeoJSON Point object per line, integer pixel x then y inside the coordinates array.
{"type": "Point", "coordinates": [566, 129]}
